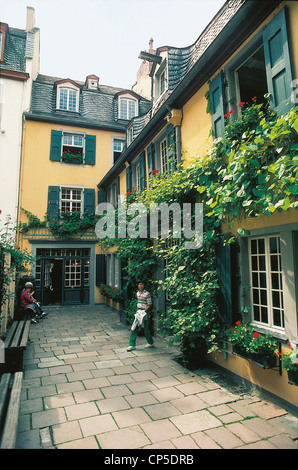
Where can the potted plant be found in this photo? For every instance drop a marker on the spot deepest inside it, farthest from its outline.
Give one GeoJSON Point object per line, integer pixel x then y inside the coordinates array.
{"type": "Point", "coordinates": [289, 362]}
{"type": "Point", "coordinates": [253, 346]}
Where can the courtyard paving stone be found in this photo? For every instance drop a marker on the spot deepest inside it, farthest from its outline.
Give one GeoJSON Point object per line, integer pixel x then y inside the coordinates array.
{"type": "Point", "coordinates": [83, 390]}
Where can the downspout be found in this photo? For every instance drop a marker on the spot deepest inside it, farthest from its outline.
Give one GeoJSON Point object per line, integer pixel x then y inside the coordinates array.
{"type": "Point", "coordinates": [178, 144]}
{"type": "Point", "coordinates": [175, 117]}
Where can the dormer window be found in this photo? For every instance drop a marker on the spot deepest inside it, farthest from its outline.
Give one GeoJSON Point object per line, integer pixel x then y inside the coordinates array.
{"type": "Point", "coordinates": [67, 96]}
{"type": "Point", "coordinates": [129, 135]}
{"type": "Point", "coordinates": [160, 80]}
{"type": "Point", "coordinates": [128, 106]}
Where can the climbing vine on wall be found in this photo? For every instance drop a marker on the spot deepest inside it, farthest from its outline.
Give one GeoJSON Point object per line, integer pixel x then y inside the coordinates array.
{"type": "Point", "coordinates": [251, 170]}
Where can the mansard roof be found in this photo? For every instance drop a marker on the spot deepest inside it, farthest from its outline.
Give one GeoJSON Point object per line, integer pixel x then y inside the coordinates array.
{"type": "Point", "coordinates": [97, 107]}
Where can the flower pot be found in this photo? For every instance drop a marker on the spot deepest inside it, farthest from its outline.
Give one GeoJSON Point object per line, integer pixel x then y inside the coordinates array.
{"type": "Point", "coordinates": [293, 377]}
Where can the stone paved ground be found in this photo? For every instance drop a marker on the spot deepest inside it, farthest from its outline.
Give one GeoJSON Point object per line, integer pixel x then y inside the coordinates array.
{"type": "Point", "coordinates": [83, 390]}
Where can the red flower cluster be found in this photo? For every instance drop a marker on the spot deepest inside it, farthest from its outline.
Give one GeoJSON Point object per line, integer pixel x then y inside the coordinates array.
{"type": "Point", "coordinates": [238, 323]}
{"type": "Point", "coordinates": [228, 114]}
{"type": "Point", "coordinates": [256, 335]}
{"type": "Point", "coordinates": [241, 104]}
{"type": "Point", "coordinates": [155, 171]}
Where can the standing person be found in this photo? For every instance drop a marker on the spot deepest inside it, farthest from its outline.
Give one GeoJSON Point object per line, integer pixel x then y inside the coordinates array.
{"type": "Point", "coordinates": [29, 303]}
{"type": "Point", "coordinates": [144, 305]}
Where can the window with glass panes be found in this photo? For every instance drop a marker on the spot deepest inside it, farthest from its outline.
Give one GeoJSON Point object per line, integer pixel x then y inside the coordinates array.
{"type": "Point", "coordinates": [73, 143]}
{"type": "Point", "coordinates": [68, 99]}
{"type": "Point", "coordinates": [164, 156]}
{"type": "Point", "coordinates": [266, 281]}
{"type": "Point", "coordinates": [127, 108]}
{"type": "Point", "coordinates": [118, 145]}
{"type": "Point", "coordinates": [71, 200]}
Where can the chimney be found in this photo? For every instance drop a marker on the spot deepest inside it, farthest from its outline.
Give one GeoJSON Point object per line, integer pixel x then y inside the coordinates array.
{"type": "Point", "coordinates": [151, 45]}
{"type": "Point", "coordinates": [30, 22]}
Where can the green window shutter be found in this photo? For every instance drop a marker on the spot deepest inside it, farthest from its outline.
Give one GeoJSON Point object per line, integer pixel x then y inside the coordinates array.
{"type": "Point", "coordinates": [150, 158]}
{"type": "Point", "coordinates": [101, 196]}
{"type": "Point", "coordinates": [90, 149]}
{"type": "Point", "coordinates": [217, 105]}
{"type": "Point", "coordinates": [100, 269]}
{"type": "Point", "coordinates": [171, 147]}
{"type": "Point", "coordinates": [53, 201]}
{"type": "Point", "coordinates": [128, 179]}
{"type": "Point", "coordinates": [56, 141]}
{"type": "Point", "coordinates": [143, 171]}
{"type": "Point", "coordinates": [278, 65]}
{"type": "Point", "coordinates": [89, 201]}
{"type": "Point", "coordinates": [226, 266]}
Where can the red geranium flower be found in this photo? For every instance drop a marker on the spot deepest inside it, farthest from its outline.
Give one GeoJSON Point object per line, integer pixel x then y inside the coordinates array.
{"type": "Point", "coordinates": [254, 98]}
{"type": "Point", "coordinates": [128, 193]}
{"type": "Point", "coordinates": [238, 323]}
{"type": "Point", "coordinates": [155, 171]}
{"type": "Point", "coordinates": [228, 114]}
{"type": "Point", "coordinates": [241, 104]}
{"type": "Point", "coordinates": [255, 335]}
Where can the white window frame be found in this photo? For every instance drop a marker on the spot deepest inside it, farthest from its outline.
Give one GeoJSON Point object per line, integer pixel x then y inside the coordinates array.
{"type": "Point", "coordinates": [127, 98]}
{"type": "Point", "coordinates": [114, 139]}
{"type": "Point", "coordinates": [161, 81]}
{"type": "Point", "coordinates": [72, 201]}
{"type": "Point", "coordinates": [129, 135]}
{"type": "Point", "coordinates": [163, 148]}
{"type": "Point", "coordinates": [269, 290]}
{"type": "Point", "coordinates": [68, 87]}
{"type": "Point", "coordinates": [73, 135]}
{"type": "Point", "coordinates": [138, 177]}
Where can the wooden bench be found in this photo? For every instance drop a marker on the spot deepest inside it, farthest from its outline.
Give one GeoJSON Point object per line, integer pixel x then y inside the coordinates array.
{"type": "Point", "coordinates": [14, 345]}
{"type": "Point", "coordinates": [10, 398]}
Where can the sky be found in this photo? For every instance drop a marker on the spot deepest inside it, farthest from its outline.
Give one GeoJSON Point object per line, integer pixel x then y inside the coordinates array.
{"type": "Point", "coordinates": [105, 37]}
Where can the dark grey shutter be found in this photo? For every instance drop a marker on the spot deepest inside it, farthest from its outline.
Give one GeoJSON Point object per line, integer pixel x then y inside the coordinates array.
{"type": "Point", "coordinates": [101, 196]}
{"type": "Point", "coordinates": [53, 201]}
{"type": "Point", "coordinates": [89, 201]}
{"type": "Point", "coordinates": [90, 149]}
{"type": "Point", "coordinates": [226, 266]}
{"type": "Point", "coordinates": [143, 171]}
{"type": "Point", "coordinates": [150, 158]}
{"type": "Point", "coordinates": [128, 178]}
{"type": "Point", "coordinates": [100, 270]}
{"type": "Point", "coordinates": [217, 105]}
{"type": "Point", "coordinates": [278, 65]}
{"type": "Point", "coordinates": [56, 140]}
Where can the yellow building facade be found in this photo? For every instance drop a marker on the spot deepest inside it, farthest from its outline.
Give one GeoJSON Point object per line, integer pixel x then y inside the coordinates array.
{"type": "Point", "coordinates": [247, 51]}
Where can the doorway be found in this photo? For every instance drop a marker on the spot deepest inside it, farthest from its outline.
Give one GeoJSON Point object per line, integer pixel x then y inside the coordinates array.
{"type": "Point", "coordinates": [62, 276]}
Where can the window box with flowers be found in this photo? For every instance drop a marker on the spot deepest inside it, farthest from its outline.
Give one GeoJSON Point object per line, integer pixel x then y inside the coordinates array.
{"type": "Point", "coordinates": [254, 346]}
{"type": "Point", "coordinates": [69, 156]}
{"type": "Point", "coordinates": [113, 293]}
{"type": "Point", "coordinates": [289, 362]}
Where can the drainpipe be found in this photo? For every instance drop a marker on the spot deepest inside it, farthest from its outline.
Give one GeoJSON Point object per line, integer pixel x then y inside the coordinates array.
{"type": "Point", "coordinates": [178, 144]}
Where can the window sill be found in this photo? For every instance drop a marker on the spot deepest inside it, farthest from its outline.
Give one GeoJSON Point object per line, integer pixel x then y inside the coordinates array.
{"type": "Point", "coordinates": [82, 165]}
{"type": "Point", "coordinates": [280, 335]}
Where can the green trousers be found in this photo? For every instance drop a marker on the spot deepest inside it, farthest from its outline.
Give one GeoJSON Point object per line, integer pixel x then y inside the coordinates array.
{"type": "Point", "coordinates": [147, 333]}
